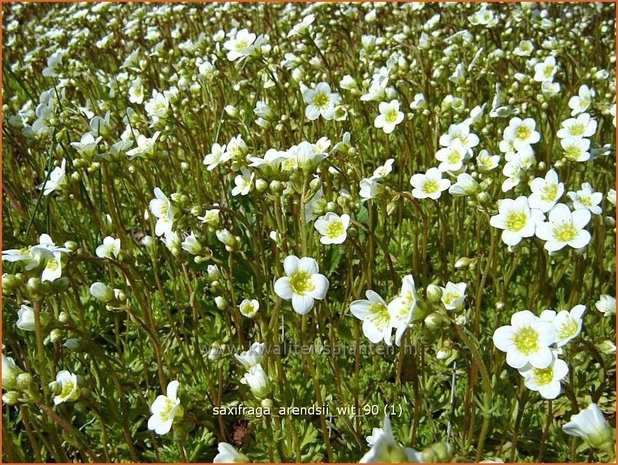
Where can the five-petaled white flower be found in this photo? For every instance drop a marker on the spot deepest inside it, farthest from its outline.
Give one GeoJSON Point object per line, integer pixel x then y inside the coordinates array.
{"type": "Point", "coordinates": [389, 116]}
{"type": "Point", "coordinates": [526, 340]}
{"type": "Point", "coordinates": [606, 305]}
{"type": "Point", "coordinates": [545, 192]}
{"type": "Point", "coordinates": [586, 198]}
{"type": "Point", "coordinates": [320, 102]}
{"type": "Point", "coordinates": [332, 228]}
{"type": "Point", "coordinates": [67, 384]}
{"type": "Point", "coordinates": [373, 312]}
{"type": "Point", "coordinates": [568, 324]}
{"type": "Point", "coordinates": [546, 70]}
{"type": "Point", "coordinates": [429, 185]}
{"type": "Point", "coordinates": [109, 247]}
{"type": "Point", "coordinates": [302, 283]}
{"type": "Point", "coordinates": [576, 149]}
{"type": "Point", "coordinates": [249, 307]}
{"type": "Point", "coordinates": [453, 295]}
{"type": "Point", "coordinates": [546, 381]}
{"type": "Point", "coordinates": [521, 133]}
{"type": "Point", "coordinates": [580, 102]}
{"type": "Point", "coordinates": [577, 128]}
{"type": "Point", "coordinates": [402, 308]}
{"type": "Point", "coordinates": [218, 154]}
{"type": "Point", "coordinates": [564, 228]}
{"type": "Point", "coordinates": [164, 211]}
{"type": "Point", "coordinates": [244, 182]}
{"type": "Point", "coordinates": [56, 180]}
{"type": "Point", "coordinates": [517, 220]}
{"type": "Point", "coordinates": [165, 409]}
{"type": "Point", "coordinates": [241, 45]}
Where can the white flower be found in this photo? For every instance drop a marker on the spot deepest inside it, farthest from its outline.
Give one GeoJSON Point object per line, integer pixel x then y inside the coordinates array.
{"type": "Point", "coordinates": [546, 70]}
{"type": "Point", "coordinates": [611, 196]}
{"type": "Point", "coordinates": [401, 309]}
{"type": "Point", "coordinates": [564, 228]}
{"type": "Point", "coordinates": [217, 155]}
{"type": "Point", "coordinates": [526, 340]}
{"type": "Point", "coordinates": [452, 157]}
{"type": "Point", "coordinates": [524, 49]}
{"type": "Point", "coordinates": [465, 185]}
{"type": "Point", "coordinates": [517, 220]}
{"type": "Point", "coordinates": [253, 356]}
{"type": "Point", "coordinates": [486, 162]}
{"type": "Point", "coordinates": [376, 319]}
{"type": "Point", "coordinates": [302, 283]}
{"type": "Point", "coordinates": [429, 185]}
{"type": "Point", "coordinates": [257, 380]}
{"type": "Point", "coordinates": [165, 409]}
{"type": "Point", "coordinates": [418, 102]}
{"type": "Point", "coordinates": [241, 45]}
{"type": "Point", "coordinates": [249, 307]}
{"type": "Point", "coordinates": [53, 267]}
{"type": "Point", "coordinates": [109, 247]}
{"type": "Point", "coordinates": [25, 318]}
{"type": "Point", "coordinates": [580, 103]}
{"type": "Point", "coordinates": [389, 116]}
{"type": "Point", "coordinates": [545, 192]}
{"type": "Point", "coordinates": [585, 198]}
{"type": "Point", "coordinates": [591, 426]}
{"type": "Point", "coordinates": [384, 170]}
{"type": "Point", "coordinates": [453, 295]}
{"type": "Point", "coordinates": [521, 133]}
{"type": "Point", "coordinates": [386, 449]}
{"type": "Point", "coordinates": [568, 324]}
{"type": "Point", "coordinates": [332, 228]}
{"type": "Point", "coordinates": [320, 102]}
{"type": "Point", "coordinates": [157, 107]}
{"type": "Point", "coordinates": [191, 244]}
{"type": "Point", "coordinates": [228, 454]}
{"type": "Point", "coordinates": [369, 188]}
{"type": "Point", "coordinates": [101, 292]}
{"type": "Point", "coordinates": [56, 180]}
{"type": "Point", "coordinates": [136, 91]}
{"type": "Point", "coordinates": [576, 149]}
{"type": "Point", "coordinates": [10, 371]}
{"type": "Point", "coordinates": [164, 211]}
{"type": "Point", "coordinates": [546, 381]}
{"type": "Point", "coordinates": [577, 128]}
{"type": "Point", "coordinates": [69, 391]}
{"type": "Point", "coordinates": [243, 182]}
{"type": "Point", "coordinates": [606, 305]}
{"type": "Point", "coordinates": [462, 133]}
{"type": "Point", "coordinates": [87, 144]}
{"type": "Point", "coordinates": [145, 145]}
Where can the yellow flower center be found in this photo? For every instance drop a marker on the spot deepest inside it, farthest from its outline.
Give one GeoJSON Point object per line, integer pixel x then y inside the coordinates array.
{"type": "Point", "coordinates": [454, 156]}
{"type": "Point", "coordinates": [448, 297]}
{"type": "Point", "coordinates": [67, 389]}
{"type": "Point", "coordinates": [585, 200]}
{"type": "Point", "coordinates": [51, 264]}
{"type": "Point", "coordinates": [523, 132]}
{"type": "Point", "coordinates": [568, 329]}
{"type": "Point", "coordinates": [241, 45]}
{"type": "Point", "coordinates": [431, 186]}
{"type": "Point", "coordinates": [577, 129]}
{"type": "Point", "coordinates": [335, 229]}
{"type": "Point", "coordinates": [301, 283]}
{"type": "Point", "coordinates": [565, 232]}
{"type": "Point", "coordinates": [543, 376]}
{"type": "Point", "coordinates": [320, 100]}
{"type": "Point", "coordinates": [572, 152]}
{"type": "Point", "coordinates": [550, 191]}
{"type": "Point", "coordinates": [526, 340]}
{"type": "Point", "coordinates": [391, 116]}
{"type": "Point", "coordinates": [379, 314]}
{"type": "Point", "coordinates": [516, 220]}
{"type": "Point", "coordinates": [166, 413]}
{"type": "Point", "coordinates": [548, 71]}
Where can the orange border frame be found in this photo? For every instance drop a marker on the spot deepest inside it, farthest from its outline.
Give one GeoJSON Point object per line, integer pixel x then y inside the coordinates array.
{"type": "Point", "coordinates": [266, 1]}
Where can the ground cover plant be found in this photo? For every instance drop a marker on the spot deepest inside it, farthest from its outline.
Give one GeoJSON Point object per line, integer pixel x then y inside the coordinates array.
{"type": "Point", "coordinates": [308, 232]}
